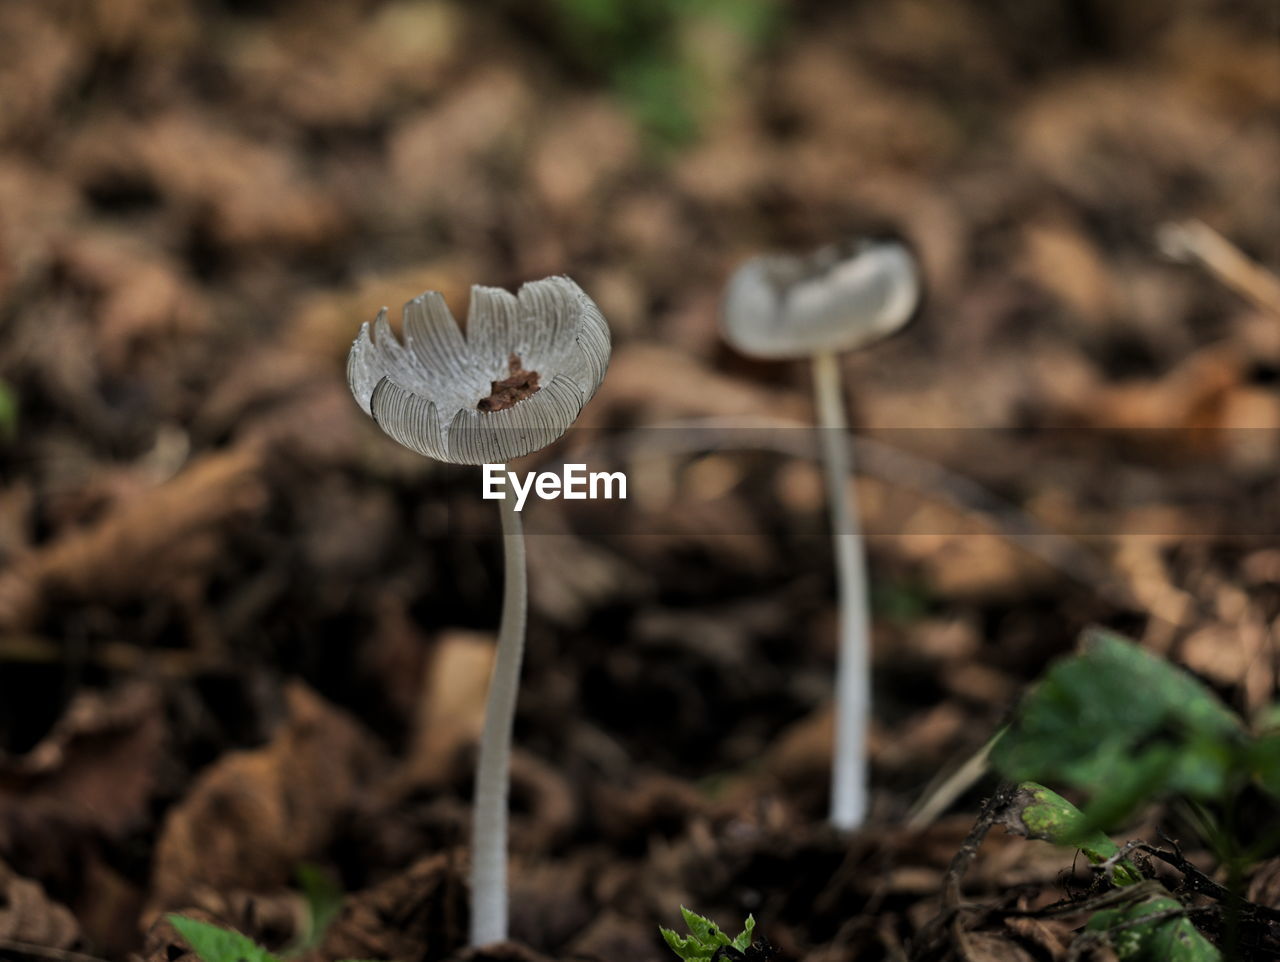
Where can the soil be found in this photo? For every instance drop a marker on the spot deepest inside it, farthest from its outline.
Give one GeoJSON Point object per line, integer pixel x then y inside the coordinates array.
{"type": "Point", "coordinates": [243, 634]}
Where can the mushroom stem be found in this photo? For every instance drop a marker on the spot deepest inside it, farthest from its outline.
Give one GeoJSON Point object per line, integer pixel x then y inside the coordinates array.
{"type": "Point", "coordinates": [493, 767]}
{"type": "Point", "coordinates": [853, 682]}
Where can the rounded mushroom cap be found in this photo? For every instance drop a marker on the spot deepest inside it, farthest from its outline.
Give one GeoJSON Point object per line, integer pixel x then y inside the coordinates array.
{"type": "Point", "coordinates": [835, 299]}
{"type": "Point", "coordinates": [512, 384]}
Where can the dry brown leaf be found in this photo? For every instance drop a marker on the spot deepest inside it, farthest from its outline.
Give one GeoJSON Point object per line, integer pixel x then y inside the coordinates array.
{"type": "Point", "coordinates": [38, 62]}
{"type": "Point", "coordinates": [152, 541]}
{"type": "Point", "coordinates": [989, 947]}
{"type": "Point", "coordinates": [929, 738]}
{"type": "Point", "coordinates": [396, 655]}
{"type": "Point", "coordinates": [685, 388]}
{"type": "Point", "coordinates": [28, 915]}
{"type": "Point", "coordinates": [152, 29]}
{"type": "Point", "coordinates": [324, 325]}
{"type": "Point", "coordinates": [613, 936]}
{"type": "Point", "coordinates": [142, 294]}
{"type": "Point", "coordinates": [585, 144]}
{"type": "Point", "coordinates": [1064, 261]}
{"type": "Point", "coordinates": [1191, 397]}
{"type": "Point", "coordinates": [1050, 936]}
{"type": "Point", "coordinates": [250, 818]}
{"type": "Point", "coordinates": [100, 763]}
{"type": "Point", "coordinates": [1264, 887]}
{"type": "Point", "coordinates": [630, 811]}
{"type": "Point", "coordinates": [799, 757]}
{"type": "Point", "coordinates": [246, 191]}
{"type": "Point", "coordinates": [570, 576]}
{"type": "Point", "coordinates": [437, 155]}
{"type": "Point", "coordinates": [550, 901]}
{"type": "Point", "coordinates": [979, 566]}
{"type": "Point", "coordinates": [419, 914]}
{"type": "Point", "coordinates": [37, 207]}
{"type": "Point", "coordinates": [1234, 654]}
{"type": "Point", "coordinates": [547, 801]}
{"type": "Point", "coordinates": [338, 65]}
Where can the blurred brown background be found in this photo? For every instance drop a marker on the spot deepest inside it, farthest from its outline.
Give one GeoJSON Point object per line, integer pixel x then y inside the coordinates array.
{"type": "Point", "coordinates": [200, 201]}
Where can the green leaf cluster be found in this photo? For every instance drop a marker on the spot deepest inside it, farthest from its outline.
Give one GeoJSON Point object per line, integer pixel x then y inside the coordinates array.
{"type": "Point", "coordinates": [1126, 727]}
{"type": "Point", "coordinates": [705, 937]}
{"type": "Point", "coordinates": [1154, 927]}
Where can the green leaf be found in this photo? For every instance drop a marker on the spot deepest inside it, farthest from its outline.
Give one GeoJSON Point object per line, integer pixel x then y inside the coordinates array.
{"type": "Point", "coordinates": [703, 929]}
{"type": "Point", "coordinates": [216, 944]}
{"type": "Point", "coordinates": [687, 947]}
{"type": "Point", "coordinates": [745, 937]}
{"type": "Point", "coordinates": [1044, 814]}
{"type": "Point", "coordinates": [1124, 725]}
{"type": "Point", "coordinates": [705, 937]}
{"type": "Point", "coordinates": [1156, 940]}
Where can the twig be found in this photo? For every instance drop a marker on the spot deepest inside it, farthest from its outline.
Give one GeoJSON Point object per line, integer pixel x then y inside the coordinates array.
{"type": "Point", "coordinates": [1199, 883]}
{"type": "Point", "coordinates": [938, 796]}
{"type": "Point", "coordinates": [1130, 893]}
{"type": "Point", "coordinates": [963, 858]}
{"type": "Point", "coordinates": [1195, 242]}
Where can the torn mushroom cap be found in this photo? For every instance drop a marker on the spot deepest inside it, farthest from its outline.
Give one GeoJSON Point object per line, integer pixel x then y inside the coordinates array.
{"type": "Point", "coordinates": [837, 298]}
{"type": "Point", "coordinates": [513, 383]}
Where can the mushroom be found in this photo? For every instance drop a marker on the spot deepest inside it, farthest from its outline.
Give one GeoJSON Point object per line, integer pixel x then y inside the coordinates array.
{"type": "Point", "coordinates": [838, 298]}
{"type": "Point", "coordinates": [512, 384]}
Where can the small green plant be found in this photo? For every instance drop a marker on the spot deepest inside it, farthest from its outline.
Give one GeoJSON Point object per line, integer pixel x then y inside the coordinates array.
{"type": "Point", "coordinates": [1125, 728]}
{"type": "Point", "coordinates": [213, 943]}
{"type": "Point", "coordinates": [216, 944]}
{"type": "Point", "coordinates": [707, 942]}
{"type": "Point", "coordinates": [1150, 925]}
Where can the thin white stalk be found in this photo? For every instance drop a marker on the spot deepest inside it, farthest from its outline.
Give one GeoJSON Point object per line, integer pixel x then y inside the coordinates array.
{"type": "Point", "coordinates": [493, 767]}
{"type": "Point", "coordinates": [853, 665]}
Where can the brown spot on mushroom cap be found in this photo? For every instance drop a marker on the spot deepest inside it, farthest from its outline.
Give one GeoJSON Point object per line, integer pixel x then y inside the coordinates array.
{"type": "Point", "coordinates": [518, 385]}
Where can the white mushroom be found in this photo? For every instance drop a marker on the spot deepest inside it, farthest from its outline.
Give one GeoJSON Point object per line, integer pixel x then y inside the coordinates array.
{"type": "Point", "coordinates": [838, 298]}
{"type": "Point", "coordinates": [512, 384]}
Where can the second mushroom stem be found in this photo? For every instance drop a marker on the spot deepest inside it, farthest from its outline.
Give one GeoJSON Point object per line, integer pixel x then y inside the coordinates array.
{"type": "Point", "coordinates": [493, 767]}
{"type": "Point", "coordinates": [853, 665]}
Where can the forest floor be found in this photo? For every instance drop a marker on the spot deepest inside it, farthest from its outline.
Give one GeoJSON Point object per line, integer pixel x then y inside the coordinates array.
{"type": "Point", "coordinates": [243, 635]}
